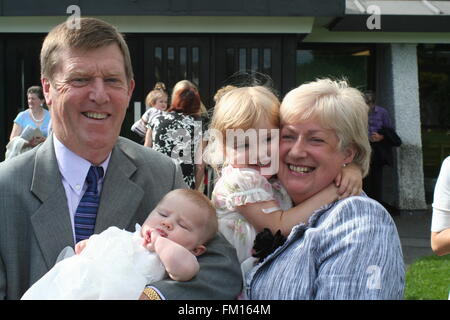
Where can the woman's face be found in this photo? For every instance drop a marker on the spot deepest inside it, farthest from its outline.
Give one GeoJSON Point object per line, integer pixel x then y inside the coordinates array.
{"type": "Point", "coordinates": [309, 158]}
{"type": "Point", "coordinates": [33, 101]}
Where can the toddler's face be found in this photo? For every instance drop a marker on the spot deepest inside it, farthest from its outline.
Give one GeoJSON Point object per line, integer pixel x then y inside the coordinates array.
{"type": "Point", "coordinates": [255, 148]}
{"type": "Point", "coordinates": [161, 103]}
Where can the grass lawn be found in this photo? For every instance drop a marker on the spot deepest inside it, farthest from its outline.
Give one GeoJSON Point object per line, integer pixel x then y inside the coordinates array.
{"type": "Point", "coordinates": [428, 278]}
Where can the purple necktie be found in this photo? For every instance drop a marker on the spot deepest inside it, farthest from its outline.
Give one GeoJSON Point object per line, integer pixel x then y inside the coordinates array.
{"type": "Point", "coordinates": [87, 209]}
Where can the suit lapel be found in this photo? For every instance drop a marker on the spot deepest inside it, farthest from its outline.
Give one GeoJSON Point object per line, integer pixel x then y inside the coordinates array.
{"type": "Point", "coordinates": [51, 222]}
{"type": "Point", "coordinates": [120, 197]}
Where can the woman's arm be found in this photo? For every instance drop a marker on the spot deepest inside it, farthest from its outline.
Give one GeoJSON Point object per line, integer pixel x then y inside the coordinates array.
{"type": "Point", "coordinates": [148, 138]}
{"type": "Point", "coordinates": [16, 131]}
{"type": "Point", "coordinates": [440, 242]}
{"type": "Point", "coordinates": [199, 175]}
{"type": "Point", "coordinates": [199, 167]}
{"type": "Point", "coordinates": [440, 223]}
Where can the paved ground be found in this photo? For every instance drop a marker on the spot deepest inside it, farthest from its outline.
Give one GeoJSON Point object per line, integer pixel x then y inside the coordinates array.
{"type": "Point", "coordinates": [414, 231]}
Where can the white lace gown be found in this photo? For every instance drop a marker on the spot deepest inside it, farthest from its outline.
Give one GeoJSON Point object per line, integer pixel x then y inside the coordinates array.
{"type": "Point", "coordinates": [113, 266]}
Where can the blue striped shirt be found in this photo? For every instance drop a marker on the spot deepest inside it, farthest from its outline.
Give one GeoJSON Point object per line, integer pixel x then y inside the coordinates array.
{"type": "Point", "coordinates": [348, 250]}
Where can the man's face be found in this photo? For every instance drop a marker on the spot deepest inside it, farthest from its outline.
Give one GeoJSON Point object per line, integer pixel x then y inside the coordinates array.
{"type": "Point", "coordinates": [89, 96]}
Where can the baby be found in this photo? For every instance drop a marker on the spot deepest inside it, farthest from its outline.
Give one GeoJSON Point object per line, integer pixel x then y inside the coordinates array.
{"type": "Point", "coordinates": [117, 264]}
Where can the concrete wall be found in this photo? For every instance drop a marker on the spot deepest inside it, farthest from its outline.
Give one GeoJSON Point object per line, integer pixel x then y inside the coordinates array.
{"type": "Point", "coordinates": [398, 91]}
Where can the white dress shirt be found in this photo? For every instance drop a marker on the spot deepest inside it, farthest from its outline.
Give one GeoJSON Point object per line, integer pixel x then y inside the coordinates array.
{"type": "Point", "coordinates": [74, 170]}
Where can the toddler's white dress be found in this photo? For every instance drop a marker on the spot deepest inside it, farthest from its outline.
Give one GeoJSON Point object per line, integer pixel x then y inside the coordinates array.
{"type": "Point", "coordinates": [114, 265]}
{"type": "Point", "coordinates": [237, 187]}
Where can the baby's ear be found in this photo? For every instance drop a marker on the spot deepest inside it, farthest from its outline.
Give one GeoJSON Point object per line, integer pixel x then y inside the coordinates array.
{"type": "Point", "coordinates": [199, 250]}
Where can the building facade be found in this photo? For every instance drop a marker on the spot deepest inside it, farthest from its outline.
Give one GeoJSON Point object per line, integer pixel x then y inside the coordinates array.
{"type": "Point", "coordinates": [400, 49]}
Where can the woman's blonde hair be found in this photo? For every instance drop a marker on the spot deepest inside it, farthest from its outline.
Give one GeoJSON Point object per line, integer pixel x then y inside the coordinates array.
{"type": "Point", "coordinates": [158, 92]}
{"type": "Point", "coordinates": [239, 108]}
{"type": "Point", "coordinates": [338, 107]}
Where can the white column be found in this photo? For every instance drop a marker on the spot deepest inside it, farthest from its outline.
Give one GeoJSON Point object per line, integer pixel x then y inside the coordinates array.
{"type": "Point", "coordinates": [398, 92]}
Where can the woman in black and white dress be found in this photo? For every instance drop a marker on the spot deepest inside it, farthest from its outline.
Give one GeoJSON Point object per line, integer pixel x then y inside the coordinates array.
{"type": "Point", "coordinates": [178, 134]}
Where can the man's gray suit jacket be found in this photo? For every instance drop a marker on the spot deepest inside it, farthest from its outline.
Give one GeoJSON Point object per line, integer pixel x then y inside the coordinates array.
{"type": "Point", "coordinates": [35, 223]}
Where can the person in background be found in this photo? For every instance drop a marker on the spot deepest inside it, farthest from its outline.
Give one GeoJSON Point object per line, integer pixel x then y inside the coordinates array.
{"type": "Point", "coordinates": [378, 121]}
{"type": "Point", "coordinates": [85, 178]}
{"type": "Point", "coordinates": [440, 225]}
{"type": "Point", "coordinates": [178, 134]}
{"type": "Point", "coordinates": [186, 84]}
{"type": "Point", "coordinates": [35, 117]}
{"type": "Point", "coordinates": [156, 102]}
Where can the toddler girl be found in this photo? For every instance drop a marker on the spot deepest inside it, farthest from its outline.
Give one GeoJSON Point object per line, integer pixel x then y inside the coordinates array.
{"type": "Point", "coordinates": [156, 101]}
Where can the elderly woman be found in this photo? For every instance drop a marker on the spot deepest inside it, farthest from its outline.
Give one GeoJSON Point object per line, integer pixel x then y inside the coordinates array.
{"type": "Point", "coordinates": [349, 249]}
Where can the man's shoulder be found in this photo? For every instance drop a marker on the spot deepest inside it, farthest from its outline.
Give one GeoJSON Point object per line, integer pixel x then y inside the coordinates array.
{"type": "Point", "coordinates": [19, 166]}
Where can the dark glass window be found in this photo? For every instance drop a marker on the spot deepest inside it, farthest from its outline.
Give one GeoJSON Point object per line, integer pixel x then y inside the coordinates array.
{"type": "Point", "coordinates": [255, 59]}
{"type": "Point", "coordinates": [267, 61]}
{"type": "Point", "coordinates": [195, 65]}
{"type": "Point", "coordinates": [229, 62]}
{"type": "Point", "coordinates": [434, 93]}
{"type": "Point", "coordinates": [336, 61]}
{"type": "Point", "coordinates": [242, 59]}
{"type": "Point", "coordinates": [171, 67]}
{"type": "Point", "coordinates": [183, 63]}
{"type": "Point", "coordinates": [158, 63]}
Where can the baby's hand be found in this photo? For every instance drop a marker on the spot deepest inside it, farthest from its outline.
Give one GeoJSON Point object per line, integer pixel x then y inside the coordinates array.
{"type": "Point", "coordinates": [150, 236]}
{"type": "Point", "coordinates": [80, 246]}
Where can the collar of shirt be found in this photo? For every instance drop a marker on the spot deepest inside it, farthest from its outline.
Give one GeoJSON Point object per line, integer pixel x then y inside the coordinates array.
{"type": "Point", "coordinates": [74, 168]}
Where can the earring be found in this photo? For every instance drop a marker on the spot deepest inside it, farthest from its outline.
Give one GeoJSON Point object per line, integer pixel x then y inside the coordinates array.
{"type": "Point", "coordinates": [344, 165]}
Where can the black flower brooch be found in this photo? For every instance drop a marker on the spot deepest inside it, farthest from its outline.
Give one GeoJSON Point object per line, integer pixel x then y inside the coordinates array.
{"type": "Point", "coordinates": [266, 243]}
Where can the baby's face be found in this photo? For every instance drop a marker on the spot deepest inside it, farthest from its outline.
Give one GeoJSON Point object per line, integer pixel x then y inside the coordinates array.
{"type": "Point", "coordinates": [177, 219]}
